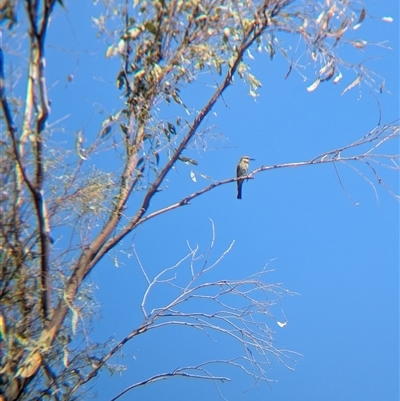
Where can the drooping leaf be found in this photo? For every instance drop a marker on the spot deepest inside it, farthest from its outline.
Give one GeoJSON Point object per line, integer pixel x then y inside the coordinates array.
{"type": "Point", "coordinates": [271, 49]}
{"type": "Point", "coordinates": [120, 79]}
{"type": "Point", "coordinates": [352, 85]}
{"type": "Point", "coordinates": [217, 65]}
{"type": "Point", "coordinates": [314, 86]}
{"type": "Point", "coordinates": [251, 57]}
{"type": "Point", "coordinates": [255, 83]}
{"type": "Point", "coordinates": [329, 75]}
{"type": "Point", "coordinates": [124, 128]}
{"type": "Point", "coordinates": [325, 68]}
{"type": "Point", "coordinates": [338, 78]}
{"type": "Point", "coordinates": [360, 19]}
{"type": "Point", "coordinates": [140, 161]}
{"type": "Point", "coordinates": [242, 67]}
{"type": "Point", "coordinates": [253, 93]}
{"type": "Point", "coordinates": [121, 46]}
{"type": "Point", "coordinates": [111, 51]}
{"type": "Point", "coordinates": [327, 72]}
{"type": "Point", "coordinates": [176, 97]}
{"type": "Point", "coordinates": [289, 71]}
{"type": "Point", "coordinates": [166, 133]}
{"type": "Point", "coordinates": [105, 131]}
{"type": "Point", "coordinates": [320, 16]}
{"type": "Point", "coordinates": [171, 128]}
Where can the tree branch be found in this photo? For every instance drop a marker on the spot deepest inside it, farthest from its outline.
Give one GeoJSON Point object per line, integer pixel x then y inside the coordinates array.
{"type": "Point", "coordinates": [37, 68]}
{"type": "Point", "coordinates": [377, 136]}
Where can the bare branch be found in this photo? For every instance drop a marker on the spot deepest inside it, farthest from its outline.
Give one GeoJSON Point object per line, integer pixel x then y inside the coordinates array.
{"type": "Point", "coordinates": [377, 137]}
{"type": "Point", "coordinates": [179, 372]}
{"type": "Point", "coordinates": [245, 324]}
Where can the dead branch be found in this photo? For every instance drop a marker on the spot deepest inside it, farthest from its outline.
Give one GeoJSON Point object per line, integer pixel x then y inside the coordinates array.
{"type": "Point", "coordinates": [246, 325]}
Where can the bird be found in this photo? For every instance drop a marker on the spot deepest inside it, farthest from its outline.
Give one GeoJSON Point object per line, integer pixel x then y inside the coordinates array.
{"type": "Point", "coordinates": [241, 171]}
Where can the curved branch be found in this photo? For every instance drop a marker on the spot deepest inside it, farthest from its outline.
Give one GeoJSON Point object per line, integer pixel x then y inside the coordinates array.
{"type": "Point", "coordinates": [179, 372]}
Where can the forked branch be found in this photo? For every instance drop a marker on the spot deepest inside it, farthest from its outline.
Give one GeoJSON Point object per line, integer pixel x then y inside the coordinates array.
{"type": "Point", "coordinates": [239, 310]}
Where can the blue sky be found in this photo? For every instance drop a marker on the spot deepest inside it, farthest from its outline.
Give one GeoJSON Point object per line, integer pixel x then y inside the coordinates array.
{"type": "Point", "coordinates": [342, 259]}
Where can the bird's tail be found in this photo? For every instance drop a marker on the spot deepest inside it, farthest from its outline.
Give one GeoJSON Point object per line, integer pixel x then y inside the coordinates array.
{"type": "Point", "coordinates": [239, 189]}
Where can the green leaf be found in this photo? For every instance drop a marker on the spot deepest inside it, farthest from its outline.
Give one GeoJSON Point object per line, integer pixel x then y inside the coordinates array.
{"type": "Point", "coordinates": [271, 50]}
{"type": "Point", "coordinates": [254, 82]}
{"type": "Point", "coordinates": [105, 131]}
{"type": "Point", "coordinates": [124, 128]}
{"type": "Point", "coordinates": [188, 160]}
{"type": "Point", "coordinates": [217, 65]}
{"type": "Point", "coordinates": [176, 97]}
{"type": "Point", "coordinates": [150, 27]}
{"type": "Point", "coordinates": [171, 128]}
{"type": "Point", "coordinates": [242, 67]}
{"type": "Point", "coordinates": [166, 134]}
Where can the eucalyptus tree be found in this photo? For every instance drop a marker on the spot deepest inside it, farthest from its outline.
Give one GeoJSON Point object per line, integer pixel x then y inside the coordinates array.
{"type": "Point", "coordinates": [164, 46]}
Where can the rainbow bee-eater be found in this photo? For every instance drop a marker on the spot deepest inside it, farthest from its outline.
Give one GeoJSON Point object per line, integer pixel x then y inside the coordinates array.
{"type": "Point", "coordinates": [241, 171]}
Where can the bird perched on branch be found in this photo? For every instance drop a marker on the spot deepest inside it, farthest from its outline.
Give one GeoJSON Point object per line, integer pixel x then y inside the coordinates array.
{"type": "Point", "coordinates": [241, 171]}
